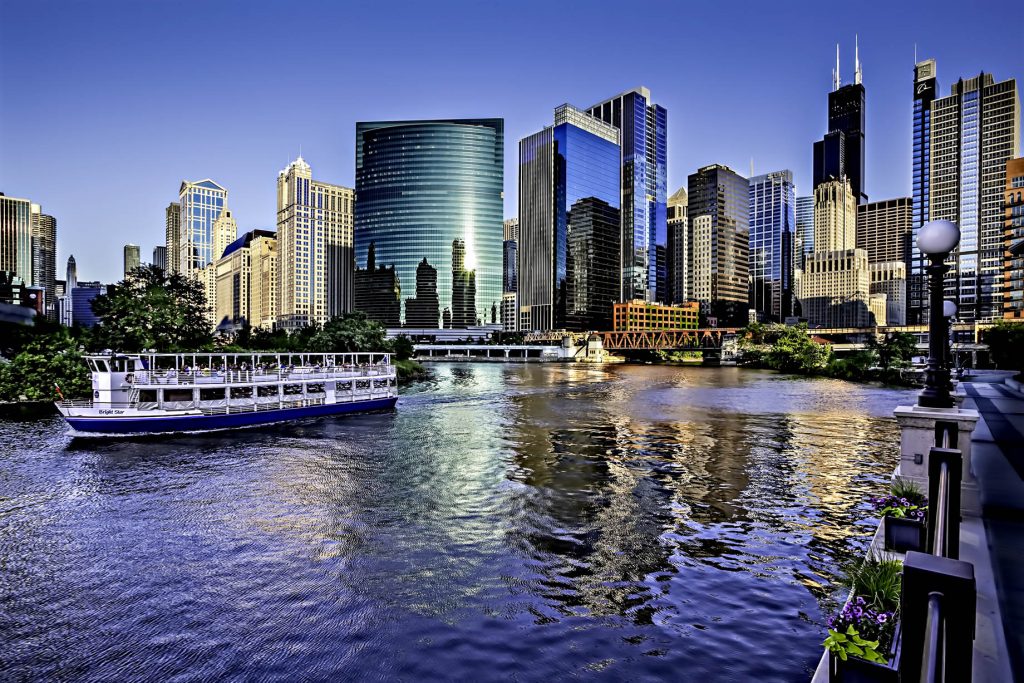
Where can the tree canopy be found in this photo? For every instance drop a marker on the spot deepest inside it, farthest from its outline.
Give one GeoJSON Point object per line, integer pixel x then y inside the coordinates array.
{"type": "Point", "coordinates": [1005, 342]}
{"type": "Point", "coordinates": [47, 359]}
{"type": "Point", "coordinates": [150, 309]}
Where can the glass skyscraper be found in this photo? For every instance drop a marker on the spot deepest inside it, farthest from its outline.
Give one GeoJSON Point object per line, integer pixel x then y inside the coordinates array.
{"type": "Point", "coordinates": [925, 88]}
{"type": "Point", "coordinates": [643, 136]}
{"type": "Point", "coordinates": [804, 229]}
{"type": "Point", "coordinates": [840, 154]}
{"type": "Point", "coordinates": [201, 204]}
{"type": "Point", "coordinates": [772, 224]}
{"type": "Point", "coordinates": [421, 185]}
{"type": "Point", "coordinates": [568, 172]}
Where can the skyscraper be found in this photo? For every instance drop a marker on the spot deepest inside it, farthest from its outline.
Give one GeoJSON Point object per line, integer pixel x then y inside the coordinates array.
{"type": "Point", "coordinates": [16, 237]}
{"type": "Point", "coordinates": [423, 184]}
{"type": "Point", "coordinates": [885, 229]}
{"type": "Point", "coordinates": [44, 257]}
{"type": "Point", "coordinates": [772, 225]}
{"type": "Point", "coordinates": [643, 138]}
{"type": "Point", "coordinates": [423, 311]}
{"type": "Point", "coordinates": [718, 246]}
{"type": "Point", "coordinates": [71, 275]}
{"type": "Point", "coordinates": [132, 258]}
{"type": "Point", "coordinates": [160, 257]}
{"type": "Point", "coordinates": [314, 238]}
{"type": "Point", "coordinates": [378, 292]}
{"type": "Point", "coordinates": [975, 131]}
{"type": "Point", "coordinates": [511, 229]}
{"type": "Point", "coordinates": [1013, 241]}
{"type": "Point", "coordinates": [201, 204]}
{"type": "Point", "coordinates": [841, 152]}
{"type": "Point", "coordinates": [463, 288]}
{"type": "Point", "coordinates": [509, 278]}
{"type": "Point", "coordinates": [925, 89]}
{"type": "Point", "coordinates": [676, 223]}
{"type": "Point", "coordinates": [172, 237]}
{"type": "Point", "coordinates": [593, 248]}
{"type": "Point", "coordinates": [576, 158]}
{"type": "Point", "coordinates": [804, 229]}
{"type": "Point", "coordinates": [246, 279]}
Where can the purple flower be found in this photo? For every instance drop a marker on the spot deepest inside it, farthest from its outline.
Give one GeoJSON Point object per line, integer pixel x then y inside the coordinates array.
{"type": "Point", "coordinates": [857, 612]}
{"type": "Point", "coordinates": [904, 501]}
{"type": "Point", "coordinates": [860, 600]}
{"type": "Point", "coordinates": [882, 618]}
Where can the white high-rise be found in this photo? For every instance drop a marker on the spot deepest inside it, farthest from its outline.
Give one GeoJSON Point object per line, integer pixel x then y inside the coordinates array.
{"type": "Point", "coordinates": [203, 235]}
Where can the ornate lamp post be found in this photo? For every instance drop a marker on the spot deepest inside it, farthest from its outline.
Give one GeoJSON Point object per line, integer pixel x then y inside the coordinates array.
{"type": "Point", "coordinates": [936, 239]}
{"type": "Point", "coordinates": [949, 313]}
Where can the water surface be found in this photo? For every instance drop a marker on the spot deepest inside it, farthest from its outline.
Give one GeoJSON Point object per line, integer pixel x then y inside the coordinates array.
{"type": "Point", "coordinates": [525, 522]}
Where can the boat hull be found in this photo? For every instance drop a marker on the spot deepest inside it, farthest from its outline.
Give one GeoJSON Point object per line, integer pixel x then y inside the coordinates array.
{"type": "Point", "coordinates": [160, 424]}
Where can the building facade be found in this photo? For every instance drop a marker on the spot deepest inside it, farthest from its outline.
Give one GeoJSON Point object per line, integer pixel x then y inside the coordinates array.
{"type": "Point", "coordinates": [643, 139]}
{"type": "Point", "coordinates": [885, 230]}
{"type": "Point", "coordinates": [1013, 241]}
{"type": "Point", "coordinates": [377, 291]}
{"type": "Point", "coordinates": [677, 225]}
{"type": "Point", "coordinates": [172, 237]}
{"type": "Point", "coordinates": [890, 278]}
{"type": "Point", "coordinates": [718, 247]}
{"type": "Point", "coordinates": [315, 233]}
{"type": "Point", "coordinates": [200, 205]}
{"type": "Point", "coordinates": [925, 90]}
{"type": "Point", "coordinates": [772, 223]}
{"type": "Point", "coordinates": [132, 258]}
{"type": "Point", "coordinates": [975, 131]}
{"type": "Point", "coordinates": [16, 237]}
{"type": "Point", "coordinates": [422, 184]}
{"type": "Point", "coordinates": [44, 258]}
{"type": "Point", "coordinates": [576, 159]}
{"type": "Point", "coordinates": [804, 229]}
{"type": "Point", "coordinates": [424, 310]}
{"type": "Point", "coordinates": [160, 257]}
{"type": "Point", "coordinates": [246, 279]}
{"type": "Point", "coordinates": [82, 296]}
{"type": "Point", "coordinates": [639, 315]}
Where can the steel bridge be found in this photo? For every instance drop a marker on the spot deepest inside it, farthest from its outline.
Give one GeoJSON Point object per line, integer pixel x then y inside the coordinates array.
{"type": "Point", "coordinates": [709, 339]}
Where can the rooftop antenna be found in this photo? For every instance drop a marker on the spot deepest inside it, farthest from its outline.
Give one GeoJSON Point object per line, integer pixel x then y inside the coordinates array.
{"type": "Point", "coordinates": [751, 167]}
{"type": "Point", "coordinates": [857, 75]}
{"type": "Point", "coordinates": [915, 53]}
{"type": "Point", "coordinates": [835, 73]}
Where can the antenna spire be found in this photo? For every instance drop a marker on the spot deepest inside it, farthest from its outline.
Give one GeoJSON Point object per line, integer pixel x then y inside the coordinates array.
{"type": "Point", "coordinates": [857, 75]}
{"type": "Point", "coordinates": [835, 73]}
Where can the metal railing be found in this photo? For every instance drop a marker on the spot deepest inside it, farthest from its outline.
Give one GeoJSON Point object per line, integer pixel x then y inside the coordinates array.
{"type": "Point", "coordinates": [299, 374]}
{"type": "Point", "coordinates": [939, 594]}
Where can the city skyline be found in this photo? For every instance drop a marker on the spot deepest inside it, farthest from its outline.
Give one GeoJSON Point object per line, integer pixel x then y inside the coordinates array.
{"type": "Point", "coordinates": [710, 124]}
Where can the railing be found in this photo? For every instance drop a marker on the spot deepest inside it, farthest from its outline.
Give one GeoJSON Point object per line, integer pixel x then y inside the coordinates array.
{"type": "Point", "coordinates": [173, 377]}
{"type": "Point", "coordinates": [939, 595]}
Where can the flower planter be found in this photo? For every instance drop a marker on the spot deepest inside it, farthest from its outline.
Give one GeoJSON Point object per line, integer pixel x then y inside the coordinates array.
{"type": "Point", "coordinates": [903, 534]}
{"type": "Point", "coordinates": [857, 670]}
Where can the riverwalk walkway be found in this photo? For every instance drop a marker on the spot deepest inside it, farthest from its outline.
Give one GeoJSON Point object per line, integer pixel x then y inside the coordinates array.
{"type": "Point", "coordinates": [998, 462]}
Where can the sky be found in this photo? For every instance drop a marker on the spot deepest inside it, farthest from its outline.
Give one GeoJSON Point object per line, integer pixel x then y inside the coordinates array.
{"type": "Point", "coordinates": [105, 107]}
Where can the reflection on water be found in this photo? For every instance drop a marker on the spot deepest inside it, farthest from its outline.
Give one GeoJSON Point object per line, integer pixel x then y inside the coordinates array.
{"type": "Point", "coordinates": [515, 521]}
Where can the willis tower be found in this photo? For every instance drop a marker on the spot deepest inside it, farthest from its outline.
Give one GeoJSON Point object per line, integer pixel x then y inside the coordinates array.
{"type": "Point", "coordinates": [840, 154]}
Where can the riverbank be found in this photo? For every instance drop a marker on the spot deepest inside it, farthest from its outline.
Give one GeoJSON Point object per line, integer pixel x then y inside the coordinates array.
{"type": "Point", "coordinates": [410, 371]}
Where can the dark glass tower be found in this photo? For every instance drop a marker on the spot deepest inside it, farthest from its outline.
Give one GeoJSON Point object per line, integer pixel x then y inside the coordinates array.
{"type": "Point", "coordinates": [772, 227]}
{"type": "Point", "coordinates": [377, 291]}
{"type": "Point", "coordinates": [644, 130]}
{"type": "Point", "coordinates": [840, 154]}
{"type": "Point", "coordinates": [463, 288]}
{"type": "Point", "coordinates": [420, 185]}
{"type": "Point", "coordinates": [926, 87]}
{"type": "Point", "coordinates": [593, 262]}
{"type": "Point", "coordinates": [577, 158]}
{"type": "Point", "coordinates": [423, 310]}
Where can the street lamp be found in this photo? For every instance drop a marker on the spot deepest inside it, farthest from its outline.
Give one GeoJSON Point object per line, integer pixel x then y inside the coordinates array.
{"type": "Point", "coordinates": [936, 239]}
{"type": "Point", "coordinates": [952, 362]}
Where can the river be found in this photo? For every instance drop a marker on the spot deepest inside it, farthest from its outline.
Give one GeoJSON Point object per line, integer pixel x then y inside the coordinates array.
{"type": "Point", "coordinates": [526, 522]}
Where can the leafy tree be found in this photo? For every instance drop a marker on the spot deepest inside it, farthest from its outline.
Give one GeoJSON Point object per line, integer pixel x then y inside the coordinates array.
{"type": "Point", "coordinates": [1005, 342]}
{"type": "Point", "coordinates": [349, 333]}
{"type": "Point", "coordinates": [46, 360]}
{"type": "Point", "coordinates": [402, 347]}
{"type": "Point", "coordinates": [793, 350]}
{"type": "Point", "coordinates": [896, 349]}
{"type": "Point", "coordinates": [150, 309]}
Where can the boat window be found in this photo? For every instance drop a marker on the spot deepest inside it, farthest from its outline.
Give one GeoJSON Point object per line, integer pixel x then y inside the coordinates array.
{"type": "Point", "coordinates": [147, 396]}
{"type": "Point", "coordinates": [211, 394]}
{"type": "Point", "coordinates": [102, 366]}
{"type": "Point", "coordinates": [241, 392]}
{"type": "Point", "coordinates": [267, 391]}
{"type": "Point", "coordinates": [315, 389]}
{"type": "Point", "coordinates": [178, 395]}
{"type": "Point", "coordinates": [344, 386]}
{"type": "Point", "coordinates": [292, 389]}
{"type": "Point", "coordinates": [92, 364]}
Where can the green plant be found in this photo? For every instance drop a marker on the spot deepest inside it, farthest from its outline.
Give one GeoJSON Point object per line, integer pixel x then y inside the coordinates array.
{"type": "Point", "coordinates": [905, 488]}
{"type": "Point", "coordinates": [877, 580]}
{"type": "Point", "coordinates": [850, 643]}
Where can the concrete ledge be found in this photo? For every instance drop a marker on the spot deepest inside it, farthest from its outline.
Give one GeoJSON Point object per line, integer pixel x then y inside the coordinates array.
{"type": "Point", "coordinates": [991, 662]}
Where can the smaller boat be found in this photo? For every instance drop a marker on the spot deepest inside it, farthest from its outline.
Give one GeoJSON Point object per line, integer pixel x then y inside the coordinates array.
{"type": "Point", "coordinates": [152, 393]}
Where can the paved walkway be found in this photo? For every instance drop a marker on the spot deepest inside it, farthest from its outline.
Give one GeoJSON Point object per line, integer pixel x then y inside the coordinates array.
{"type": "Point", "coordinates": [998, 461]}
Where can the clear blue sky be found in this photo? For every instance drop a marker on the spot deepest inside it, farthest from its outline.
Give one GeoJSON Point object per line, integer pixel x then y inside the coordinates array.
{"type": "Point", "coordinates": [106, 106]}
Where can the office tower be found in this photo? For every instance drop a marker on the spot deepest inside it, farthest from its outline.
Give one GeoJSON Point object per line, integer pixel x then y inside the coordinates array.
{"type": "Point", "coordinates": [172, 237]}
{"type": "Point", "coordinates": [246, 280]}
{"type": "Point", "coordinates": [423, 184]}
{"type": "Point", "coordinates": [890, 278]}
{"type": "Point", "coordinates": [132, 258]}
{"type": "Point", "coordinates": [463, 288]}
{"type": "Point", "coordinates": [643, 139]}
{"type": "Point", "coordinates": [804, 229]}
{"type": "Point", "coordinates": [509, 312]}
{"type": "Point", "coordinates": [424, 310]}
{"type": "Point", "coordinates": [16, 237]}
{"type": "Point", "coordinates": [1013, 241]}
{"type": "Point", "coordinates": [511, 229]}
{"type": "Point", "coordinates": [82, 296]}
{"type": "Point", "coordinates": [377, 291]}
{"type": "Point", "coordinates": [974, 132]}
{"type": "Point", "coordinates": [225, 231]}
{"type": "Point", "coordinates": [718, 245]}
{"type": "Point", "coordinates": [771, 246]}
{"type": "Point", "coordinates": [925, 89]}
{"type": "Point", "coordinates": [576, 158]}
{"type": "Point", "coordinates": [885, 229]}
{"type": "Point", "coordinates": [44, 258]}
{"type": "Point", "coordinates": [676, 224]}
{"type": "Point", "coordinates": [314, 237]}
{"type": "Point", "coordinates": [593, 254]}
{"type": "Point", "coordinates": [71, 275]}
{"type": "Point", "coordinates": [841, 152]}
{"type": "Point", "coordinates": [201, 204]}
{"type": "Point", "coordinates": [160, 257]}
{"type": "Point", "coordinates": [509, 278]}
{"type": "Point", "coordinates": [835, 284]}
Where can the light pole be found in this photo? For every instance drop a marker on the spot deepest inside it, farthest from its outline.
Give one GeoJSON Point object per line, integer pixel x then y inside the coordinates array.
{"type": "Point", "coordinates": [936, 240]}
